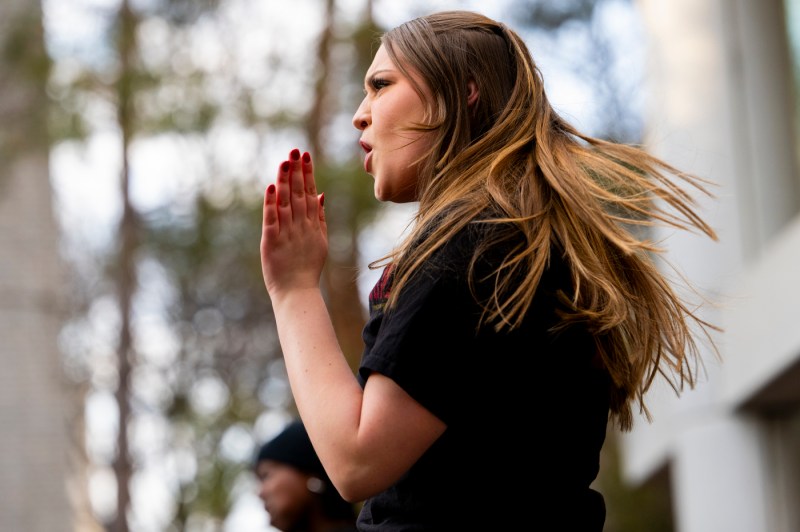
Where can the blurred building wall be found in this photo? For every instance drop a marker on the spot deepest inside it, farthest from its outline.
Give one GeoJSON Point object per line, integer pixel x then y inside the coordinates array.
{"type": "Point", "coordinates": [34, 440]}
{"type": "Point", "coordinates": [722, 105]}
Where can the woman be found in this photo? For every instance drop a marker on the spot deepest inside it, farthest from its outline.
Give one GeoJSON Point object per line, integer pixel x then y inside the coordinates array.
{"type": "Point", "coordinates": [522, 311]}
{"type": "Point", "coordinates": [297, 494]}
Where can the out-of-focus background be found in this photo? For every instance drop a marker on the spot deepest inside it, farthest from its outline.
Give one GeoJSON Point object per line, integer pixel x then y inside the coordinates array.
{"type": "Point", "coordinates": [139, 365]}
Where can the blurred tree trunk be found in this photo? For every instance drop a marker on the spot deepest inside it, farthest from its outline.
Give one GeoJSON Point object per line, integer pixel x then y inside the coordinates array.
{"type": "Point", "coordinates": [34, 440]}
{"type": "Point", "coordinates": [340, 274]}
{"type": "Point", "coordinates": [126, 263]}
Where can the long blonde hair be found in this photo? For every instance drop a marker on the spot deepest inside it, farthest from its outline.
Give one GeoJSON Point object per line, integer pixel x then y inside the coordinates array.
{"type": "Point", "coordinates": [511, 157]}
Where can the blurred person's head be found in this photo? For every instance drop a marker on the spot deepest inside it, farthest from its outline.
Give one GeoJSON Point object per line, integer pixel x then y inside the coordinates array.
{"type": "Point", "coordinates": [297, 493]}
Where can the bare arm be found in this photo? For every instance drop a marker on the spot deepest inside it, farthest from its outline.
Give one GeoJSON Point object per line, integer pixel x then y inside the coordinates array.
{"type": "Point", "coordinates": [366, 439]}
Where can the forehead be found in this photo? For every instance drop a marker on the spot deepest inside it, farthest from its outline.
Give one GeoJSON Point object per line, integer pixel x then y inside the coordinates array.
{"type": "Point", "coordinates": [381, 62]}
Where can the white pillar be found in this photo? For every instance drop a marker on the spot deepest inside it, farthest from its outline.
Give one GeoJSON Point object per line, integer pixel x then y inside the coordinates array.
{"type": "Point", "coordinates": [719, 82]}
{"type": "Point", "coordinates": [718, 477]}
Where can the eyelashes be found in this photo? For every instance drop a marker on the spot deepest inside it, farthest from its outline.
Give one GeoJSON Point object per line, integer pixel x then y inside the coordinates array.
{"type": "Point", "coordinates": [377, 84]}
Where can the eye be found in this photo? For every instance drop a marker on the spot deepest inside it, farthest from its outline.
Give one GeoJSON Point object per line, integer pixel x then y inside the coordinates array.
{"type": "Point", "coordinates": [378, 83]}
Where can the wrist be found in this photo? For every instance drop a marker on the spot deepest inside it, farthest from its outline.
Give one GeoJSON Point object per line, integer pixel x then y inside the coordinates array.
{"type": "Point", "coordinates": [295, 298]}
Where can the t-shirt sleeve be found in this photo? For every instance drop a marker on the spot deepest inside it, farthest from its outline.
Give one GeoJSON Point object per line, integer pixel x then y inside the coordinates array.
{"type": "Point", "coordinates": [425, 342]}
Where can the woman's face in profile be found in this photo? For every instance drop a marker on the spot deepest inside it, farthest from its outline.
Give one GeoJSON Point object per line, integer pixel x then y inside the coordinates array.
{"type": "Point", "coordinates": [284, 491]}
{"type": "Point", "coordinates": [390, 107]}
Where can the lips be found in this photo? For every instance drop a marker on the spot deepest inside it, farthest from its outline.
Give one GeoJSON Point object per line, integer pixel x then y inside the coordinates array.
{"type": "Point", "coordinates": [368, 157]}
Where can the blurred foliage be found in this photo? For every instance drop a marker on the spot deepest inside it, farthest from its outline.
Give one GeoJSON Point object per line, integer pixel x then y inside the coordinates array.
{"type": "Point", "coordinates": [647, 507]}
{"type": "Point", "coordinates": [580, 33]}
{"type": "Point", "coordinates": [185, 12]}
{"type": "Point", "coordinates": [203, 250]}
{"type": "Point", "coordinates": [552, 16]}
{"type": "Point", "coordinates": [211, 258]}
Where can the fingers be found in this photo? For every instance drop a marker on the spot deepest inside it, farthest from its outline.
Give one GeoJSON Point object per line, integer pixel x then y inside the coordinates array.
{"type": "Point", "coordinates": [310, 187]}
{"type": "Point", "coordinates": [295, 196]}
{"type": "Point", "coordinates": [298, 188]}
{"type": "Point", "coordinates": [294, 239]}
{"type": "Point", "coordinates": [283, 192]}
{"type": "Point", "coordinates": [270, 213]}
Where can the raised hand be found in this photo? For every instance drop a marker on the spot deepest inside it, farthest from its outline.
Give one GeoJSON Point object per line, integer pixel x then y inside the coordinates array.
{"type": "Point", "coordinates": [294, 236]}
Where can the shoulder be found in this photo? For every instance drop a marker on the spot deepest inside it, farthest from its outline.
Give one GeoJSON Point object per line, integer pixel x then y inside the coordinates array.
{"type": "Point", "coordinates": [480, 241]}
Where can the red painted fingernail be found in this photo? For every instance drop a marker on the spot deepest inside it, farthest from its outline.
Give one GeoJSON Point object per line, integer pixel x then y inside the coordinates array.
{"type": "Point", "coordinates": [295, 155]}
{"type": "Point", "coordinates": [322, 200]}
{"type": "Point", "coordinates": [271, 189]}
{"type": "Point", "coordinates": [285, 166]}
{"type": "Point", "coordinates": [306, 157]}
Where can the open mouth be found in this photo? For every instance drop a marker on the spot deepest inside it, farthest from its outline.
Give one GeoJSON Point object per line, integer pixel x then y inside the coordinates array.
{"type": "Point", "coordinates": [368, 157]}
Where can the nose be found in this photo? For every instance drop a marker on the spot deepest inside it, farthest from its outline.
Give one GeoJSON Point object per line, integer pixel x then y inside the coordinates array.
{"type": "Point", "coordinates": [362, 117]}
{"type": "Point", "coordinates": [262, 491]}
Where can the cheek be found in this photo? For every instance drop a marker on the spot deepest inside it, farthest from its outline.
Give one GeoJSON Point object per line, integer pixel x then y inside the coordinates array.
{"type": "Point", "coordinates": [287, 501]}
{"type": "Point", "coordinates": [395, 117]}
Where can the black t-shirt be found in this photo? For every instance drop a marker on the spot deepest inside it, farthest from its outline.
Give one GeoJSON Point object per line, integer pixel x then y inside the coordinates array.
{"type": "Point", "coordinates": [526, 410]}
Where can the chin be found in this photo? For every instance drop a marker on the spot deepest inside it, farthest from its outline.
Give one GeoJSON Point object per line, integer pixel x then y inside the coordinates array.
{"type": "Point", "coordinates": [380, 195]}
{"type": "Point", "coordinates": [387, 199]}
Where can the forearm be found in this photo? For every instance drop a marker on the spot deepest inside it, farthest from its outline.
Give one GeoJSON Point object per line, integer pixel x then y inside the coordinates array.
{"type": "Point", "coordinates": [327, 394]}
{"type": "Point", "coordinates": [366, 439]}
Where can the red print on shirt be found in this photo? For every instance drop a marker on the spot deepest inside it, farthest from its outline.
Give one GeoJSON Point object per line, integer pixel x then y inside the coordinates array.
{"type": "Point", "coordinates": [380, 292]}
